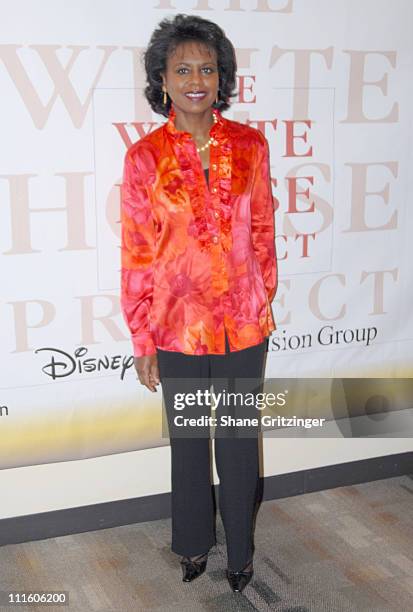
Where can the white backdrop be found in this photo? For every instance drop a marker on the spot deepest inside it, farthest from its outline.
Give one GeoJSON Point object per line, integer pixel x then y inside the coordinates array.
{"type": "Point", "coordinates": [71, 82]}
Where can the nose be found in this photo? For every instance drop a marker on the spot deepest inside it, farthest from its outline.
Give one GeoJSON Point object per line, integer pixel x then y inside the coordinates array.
{"type": "Point", "coordinates": [196, 78]}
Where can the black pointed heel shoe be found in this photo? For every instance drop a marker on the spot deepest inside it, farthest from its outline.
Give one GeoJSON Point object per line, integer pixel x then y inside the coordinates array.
{"type": "Point", "coordinates": [239, 580]}
{"type": "Point", "coordinates": [192, 568]}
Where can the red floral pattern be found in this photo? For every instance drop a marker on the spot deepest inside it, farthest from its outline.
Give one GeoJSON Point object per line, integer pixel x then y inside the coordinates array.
{"type": "Point", "coordinates": [197, 261]}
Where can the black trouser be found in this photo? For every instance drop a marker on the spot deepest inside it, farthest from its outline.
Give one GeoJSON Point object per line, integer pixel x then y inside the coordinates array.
{"type": "Point", "coordinates": [237, 458]}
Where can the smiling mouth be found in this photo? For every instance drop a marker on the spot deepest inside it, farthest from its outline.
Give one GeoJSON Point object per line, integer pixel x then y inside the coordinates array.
{"type": "Point", "coordinates": [196, 95]}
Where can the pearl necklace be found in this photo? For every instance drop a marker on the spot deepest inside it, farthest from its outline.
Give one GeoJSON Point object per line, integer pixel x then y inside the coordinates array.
{"type": "Point", "coordinates": [209, 141]}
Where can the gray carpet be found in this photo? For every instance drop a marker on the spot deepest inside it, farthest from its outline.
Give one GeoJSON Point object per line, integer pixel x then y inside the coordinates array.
{"type": "Point", "coordinates": [342, 550]}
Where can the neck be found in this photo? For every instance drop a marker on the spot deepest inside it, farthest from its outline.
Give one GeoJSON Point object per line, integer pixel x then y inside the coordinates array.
{"type": "Point", "coordinates": [197, 125]}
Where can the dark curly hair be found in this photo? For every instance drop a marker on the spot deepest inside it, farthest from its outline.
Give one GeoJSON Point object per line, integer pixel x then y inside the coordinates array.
{"type": "Point", "coordinates": [164, 40]}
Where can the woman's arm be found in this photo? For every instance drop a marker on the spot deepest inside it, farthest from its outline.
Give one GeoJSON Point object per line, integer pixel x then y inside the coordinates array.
{"type": "Point", "coordinates": [137, 254]}
{"type": "Point", "coordinates": [262, 218]}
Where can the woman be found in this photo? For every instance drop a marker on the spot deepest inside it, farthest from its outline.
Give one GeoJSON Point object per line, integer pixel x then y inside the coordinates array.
{"type": "Point", "coordinates": [198, 277]}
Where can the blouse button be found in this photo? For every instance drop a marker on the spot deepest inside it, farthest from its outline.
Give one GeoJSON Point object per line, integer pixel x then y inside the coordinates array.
{"type": "Point", "coordinates": [216, 214]}
{"type": "Point", "coordinates": [214, 166]}
{"type": "Point", "coordinates": [214, 189]}
{"type": "Point", "coordinates": [215, 239]}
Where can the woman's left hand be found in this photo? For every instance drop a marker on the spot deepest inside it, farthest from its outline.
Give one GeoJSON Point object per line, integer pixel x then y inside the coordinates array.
{"type": "Point", "coordinates": [147, 370]}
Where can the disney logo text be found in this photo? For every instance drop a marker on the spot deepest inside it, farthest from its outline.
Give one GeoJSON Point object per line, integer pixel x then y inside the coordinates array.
{"type": "Point", "coordinates": [63, 364]}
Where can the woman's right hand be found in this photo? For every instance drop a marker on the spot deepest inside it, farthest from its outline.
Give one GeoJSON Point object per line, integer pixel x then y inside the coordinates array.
{"type": "Point", "coordinates": [147, 370]}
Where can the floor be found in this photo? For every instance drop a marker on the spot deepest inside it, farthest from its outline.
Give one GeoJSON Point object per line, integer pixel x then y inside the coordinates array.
{"type": "Point", "coordinates": [341, 550]}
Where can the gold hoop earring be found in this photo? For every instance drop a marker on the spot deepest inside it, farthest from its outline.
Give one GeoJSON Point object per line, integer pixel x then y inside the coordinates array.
{"type": "Point", "coordinates": [165, 97]}
{"type": "Point", "coordinates": [216, 99]}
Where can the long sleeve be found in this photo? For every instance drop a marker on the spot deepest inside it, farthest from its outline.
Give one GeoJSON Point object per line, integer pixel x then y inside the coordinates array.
{"type": "Point", "coordinates": [137, 254]}
{"type": "Point", "coordinates": [262, 219]}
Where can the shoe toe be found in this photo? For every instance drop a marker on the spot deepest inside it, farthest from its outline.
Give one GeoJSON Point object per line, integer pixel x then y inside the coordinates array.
{"type": "Point", "coordinates": [192, 570]}
{"type": "Point", "coordinates": [238, 580]}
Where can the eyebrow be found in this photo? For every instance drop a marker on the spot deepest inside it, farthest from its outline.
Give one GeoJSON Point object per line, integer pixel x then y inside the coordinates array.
{"type": "Point", "coordinates": [189, 63]}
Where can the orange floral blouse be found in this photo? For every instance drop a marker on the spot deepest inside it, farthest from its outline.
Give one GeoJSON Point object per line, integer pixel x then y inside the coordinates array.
{"type": "Point", "coordinates": [197, 259]}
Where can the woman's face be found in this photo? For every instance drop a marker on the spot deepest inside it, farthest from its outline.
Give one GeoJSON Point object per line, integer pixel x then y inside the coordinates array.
{"type": "Point", "coordinates": [192, 69]}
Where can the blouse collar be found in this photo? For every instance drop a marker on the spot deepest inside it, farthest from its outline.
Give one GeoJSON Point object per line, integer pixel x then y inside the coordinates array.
{"type": "Point", "coordinates": [216, 128]}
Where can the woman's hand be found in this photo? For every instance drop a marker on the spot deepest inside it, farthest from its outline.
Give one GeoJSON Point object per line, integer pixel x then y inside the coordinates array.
{"type": "Point", "coordinates": [147, 370]}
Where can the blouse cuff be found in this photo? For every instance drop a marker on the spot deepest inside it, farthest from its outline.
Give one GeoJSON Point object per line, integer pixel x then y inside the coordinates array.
{"type": "Point", "coordinates": [143, 344]}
